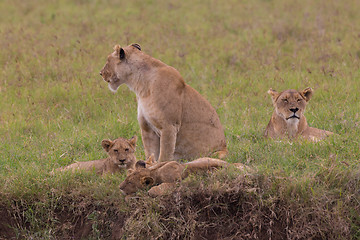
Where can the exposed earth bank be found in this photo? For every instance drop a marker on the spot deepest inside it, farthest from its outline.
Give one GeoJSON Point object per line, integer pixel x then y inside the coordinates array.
{"type": "Point", "coordinates": [241, 208]}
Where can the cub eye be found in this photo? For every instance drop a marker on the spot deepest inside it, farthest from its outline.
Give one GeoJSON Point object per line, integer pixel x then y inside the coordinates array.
{"type": "Point", "coordinates": [299, 100]}
{"type": "Point", "coordinates": [116, 151]}
{"type": "Point", "coordinates": [285, 100]}
{"type": "Point", "coordinates": [126, 149]}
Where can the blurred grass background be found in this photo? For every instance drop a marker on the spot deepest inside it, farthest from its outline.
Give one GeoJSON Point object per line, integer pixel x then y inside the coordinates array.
{"type": "Point", "coordinates": [55, 109]}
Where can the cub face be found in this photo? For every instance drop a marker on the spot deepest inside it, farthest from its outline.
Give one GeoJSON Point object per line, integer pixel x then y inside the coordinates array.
{"type": "Point", "coordinates": [117, 68]}
{"type": "Point", "coordinates": [290, 104]}
{"type": "Point", "coordinates": [121, 151]}
{"type": "Point", "coordinates": [138, 179]}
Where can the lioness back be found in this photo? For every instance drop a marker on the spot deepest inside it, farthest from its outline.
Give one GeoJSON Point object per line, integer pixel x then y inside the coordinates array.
{"type": "Point", "coordinates": [201, 127]}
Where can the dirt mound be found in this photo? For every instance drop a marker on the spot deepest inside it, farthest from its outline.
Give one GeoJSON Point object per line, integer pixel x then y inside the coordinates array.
{"type": "Point", "coordinates": [240, 209]}
{"type": "Point", "coordinates": [254, 207]}
{"type": "Point", "coordinates": [6, 223]}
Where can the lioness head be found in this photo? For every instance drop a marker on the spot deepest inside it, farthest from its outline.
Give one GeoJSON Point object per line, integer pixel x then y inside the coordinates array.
{"type": "Point", "coordinates": [138, 179]}
{"type": "Point", "coordinates": [117, 69]}
{"type": "Point", "coordinates": [290, 104]}
{"type": "Point", "coordinates": [121, 151]}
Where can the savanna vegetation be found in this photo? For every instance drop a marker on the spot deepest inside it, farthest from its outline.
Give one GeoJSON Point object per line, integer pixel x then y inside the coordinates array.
{"type": "Point", "coordinates": [55, 110]}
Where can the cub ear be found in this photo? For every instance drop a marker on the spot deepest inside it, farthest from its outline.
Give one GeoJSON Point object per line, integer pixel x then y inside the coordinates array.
{"type": "Point", "coordinates": [136, 46]}
{"type": "Point", "coordinates": [140, 164]}
{"type": "Point", "coordinates": [274, 94]}
{"type": "Point", "coordinates": [106, 144]}
{"type": "Point", "coordinates": [151, 160]}
{"type": "Point", "coordinates": [147, 181]}
{"type": "Point", "coordinates": [307, 93]}
{"type": "Point", "coordinates": [133, 140]}
{"type": "Point", "coordinates": [119, 51]}
{"type": "Point", "coordinates": [129, 171]}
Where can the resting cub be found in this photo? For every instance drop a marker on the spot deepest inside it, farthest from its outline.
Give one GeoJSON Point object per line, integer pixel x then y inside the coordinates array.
{"type": "Point", "coordinates": [176, 121]}
{"type": "Point", "coordinates": [161, 176]}
{"type": "Point", "coordinates": [288, 118]}
{"type": "Point", "coordinates": [121, 157]}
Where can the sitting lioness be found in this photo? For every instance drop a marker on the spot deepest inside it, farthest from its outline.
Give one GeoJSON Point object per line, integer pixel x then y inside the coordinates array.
{"type": "Point", "coordinates": [161, 176]}
{"type": "Point", "coordinates": [176, 121]}
{"type": "Point", "coordinates": [288, 119]}
{"type": "Point", "coordinates": [121, 153]}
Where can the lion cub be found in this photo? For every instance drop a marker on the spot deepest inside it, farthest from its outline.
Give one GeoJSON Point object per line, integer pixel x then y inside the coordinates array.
{"type": "Point", "coordinates": [176, 121]}
{"type": "Point", "coordinates": [288, 118]}
{"type": "Point", "coordinates": [162, 176]}
{"type": "Point", "coordinates": [121, 157]}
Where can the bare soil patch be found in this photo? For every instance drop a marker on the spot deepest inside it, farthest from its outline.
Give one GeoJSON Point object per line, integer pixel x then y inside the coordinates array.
{"type": "Point", "coordinates": [240, 208]}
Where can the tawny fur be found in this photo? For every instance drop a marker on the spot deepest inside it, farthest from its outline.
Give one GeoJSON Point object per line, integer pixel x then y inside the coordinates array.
{"type": "Point", "coordinates": [288, 120]}
{"type": "Point", "coordinates": [160, 176]}
{"type": "Point", "coordinates": [121, 157]}
{"type": "Point", "coordinates": [176, 121]}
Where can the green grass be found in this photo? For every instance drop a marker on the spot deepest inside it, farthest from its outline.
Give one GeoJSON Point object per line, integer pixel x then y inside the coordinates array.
{"type": "Point", "coordinates": [55, 109]}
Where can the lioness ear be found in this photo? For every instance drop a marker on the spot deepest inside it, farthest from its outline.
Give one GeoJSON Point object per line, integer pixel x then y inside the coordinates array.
{"type": "Point", "coordinates": [307, 93]}
{"type": "Point", "coordinates": [274, 94]}
{"type": "Point", "coordinates": [106, 144]}
{"type": "Point", "coordinates": [133, 140]}
{"type": "Point", "coordinates": [147, 181]}
{"type": "Point", "coordinates": [136, 46]}
{"type": "Point", "coordinates": [117, 48]}
{"type": "Point", "coordinates": [119, 52]}
{"type": "Point", "coordinates": [122, 54]}
{"type": "Point", "coordinates": [140, 164]}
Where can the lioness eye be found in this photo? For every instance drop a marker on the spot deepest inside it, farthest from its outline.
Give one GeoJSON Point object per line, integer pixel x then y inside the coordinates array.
{"type": "Point", "coordinates": [285, 100]}
{"type": "Point", "coordinates": [299, 100]}
{"type": "Point", "coordinates": [126, 149]}
{"type": "Point", "coordinates": [115, 150]}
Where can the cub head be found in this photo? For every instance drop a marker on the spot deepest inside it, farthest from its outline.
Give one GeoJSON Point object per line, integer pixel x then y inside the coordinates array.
{"type": "Point", "coordinates": [290, 104]}
{"type": "Point", "coordinates": [117, 68]}
{"type": "Point", "coordinates": [121, 151]}
{"type": "Point", "coordinates": [138, 179]}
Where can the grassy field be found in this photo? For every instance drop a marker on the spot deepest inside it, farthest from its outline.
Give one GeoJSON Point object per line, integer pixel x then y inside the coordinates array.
{"type": "Point", "coordinates": [55, 109]}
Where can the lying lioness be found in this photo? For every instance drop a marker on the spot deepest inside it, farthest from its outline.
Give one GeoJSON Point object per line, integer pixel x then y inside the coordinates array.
{"type": "Point", "coordinates": [176, 121]}
{"type": "Point", "coordinates": [121, 153]}
{"type": "Point", "coordinates": [288, 118]}
{"type": "Point", "coordinates": [161, 176]}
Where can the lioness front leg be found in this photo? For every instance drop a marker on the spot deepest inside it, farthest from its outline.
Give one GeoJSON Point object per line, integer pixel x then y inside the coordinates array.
{"type": "Point", "coordinates": [151, 143]}
{"type": "Point", "coordinates": [151, 140]}
{"type": "Point", "coordinates": [167, 144]}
